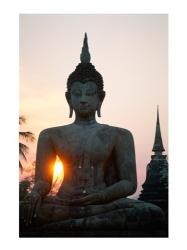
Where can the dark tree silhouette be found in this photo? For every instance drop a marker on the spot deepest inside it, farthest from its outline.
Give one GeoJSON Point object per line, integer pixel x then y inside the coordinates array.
{"type": "Point", "coordinates": [25, 137]}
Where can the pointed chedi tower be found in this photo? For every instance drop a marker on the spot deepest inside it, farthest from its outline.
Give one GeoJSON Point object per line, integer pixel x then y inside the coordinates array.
{"type": "Point", "coordinates": [155, 187]}
{"type": "Point", "coordinates": [158, 144]}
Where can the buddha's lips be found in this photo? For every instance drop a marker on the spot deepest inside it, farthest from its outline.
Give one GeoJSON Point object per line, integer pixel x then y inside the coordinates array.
{"type": "Point", "coordinates": [82, 106]}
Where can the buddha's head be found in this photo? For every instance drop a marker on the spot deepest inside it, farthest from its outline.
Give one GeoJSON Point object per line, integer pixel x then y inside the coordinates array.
{"type": "Point", "coordinates": [85, 92]}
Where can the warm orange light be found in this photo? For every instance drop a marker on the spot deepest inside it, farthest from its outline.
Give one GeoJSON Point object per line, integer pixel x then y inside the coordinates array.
{"type": "Point", "coordinates": [58, 170]}
{"type": "Point", "coordinates": [58, 176]}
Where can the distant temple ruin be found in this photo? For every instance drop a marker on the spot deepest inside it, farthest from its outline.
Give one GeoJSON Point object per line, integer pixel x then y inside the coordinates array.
{"type": "Point", "coordinates": [155, 187]}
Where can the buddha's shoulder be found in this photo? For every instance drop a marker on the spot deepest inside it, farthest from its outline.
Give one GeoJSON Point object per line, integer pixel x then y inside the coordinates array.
{"type": "Point", "coordinates": [117, 131]}
{"type": "Point", "coordinates": [69, 129]}
{"type": "Point", "coordinates": [60, 130]}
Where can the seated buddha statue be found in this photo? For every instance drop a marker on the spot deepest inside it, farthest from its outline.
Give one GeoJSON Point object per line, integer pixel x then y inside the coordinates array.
{"type": "Point", "coordinates": [99, 166]}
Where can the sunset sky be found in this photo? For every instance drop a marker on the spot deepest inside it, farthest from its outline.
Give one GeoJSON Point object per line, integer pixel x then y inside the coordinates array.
{"type": "Point", "coordinates": [131, 53]}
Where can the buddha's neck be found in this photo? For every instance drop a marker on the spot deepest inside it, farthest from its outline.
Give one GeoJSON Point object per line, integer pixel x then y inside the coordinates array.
{"type": "Point", "coordinates": [85, 120]}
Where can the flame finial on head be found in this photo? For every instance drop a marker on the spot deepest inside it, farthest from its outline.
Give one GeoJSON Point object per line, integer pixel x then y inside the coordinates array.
{"type": "Point", "coordinates": [85, 54]}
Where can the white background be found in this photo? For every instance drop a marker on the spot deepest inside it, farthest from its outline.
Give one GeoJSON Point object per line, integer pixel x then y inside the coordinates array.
{"type": "Point", "coordinates": [9, 74]}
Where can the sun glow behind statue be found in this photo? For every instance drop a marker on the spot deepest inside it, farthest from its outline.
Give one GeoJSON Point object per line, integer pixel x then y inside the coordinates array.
{"type": "Point", "coordinates": [58, 175]}
{"type": "Point", "coordinates": [58, 169]}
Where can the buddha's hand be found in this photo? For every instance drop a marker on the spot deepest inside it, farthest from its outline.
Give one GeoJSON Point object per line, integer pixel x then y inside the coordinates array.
{"type": "Point", "coordinates": [90, 199]}
{"type": "Point", "coordinates": [32, 203]}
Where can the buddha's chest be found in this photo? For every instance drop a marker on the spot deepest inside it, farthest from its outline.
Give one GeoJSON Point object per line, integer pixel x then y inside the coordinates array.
{"type": "Point", "coordinates": [84, 146]}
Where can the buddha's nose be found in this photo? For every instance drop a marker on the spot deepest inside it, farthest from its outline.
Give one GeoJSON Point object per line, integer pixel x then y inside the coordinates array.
{"type": "Point", "coordinates": [83, 100]}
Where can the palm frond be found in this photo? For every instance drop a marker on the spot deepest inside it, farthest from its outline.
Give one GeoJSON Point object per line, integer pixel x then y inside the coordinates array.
{"type": "Point", "coordinates": [20, 166]}
{"type": "Point", "coordinates": [23, 149]}
{"type": "Point", "coordinates": [28, 136]}
{"type": "Point", "coordinates": [22, 120]}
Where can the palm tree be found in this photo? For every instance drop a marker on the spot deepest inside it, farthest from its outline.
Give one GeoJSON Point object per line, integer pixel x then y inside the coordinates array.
{"type": "Point", "coordinates": [26, 136]}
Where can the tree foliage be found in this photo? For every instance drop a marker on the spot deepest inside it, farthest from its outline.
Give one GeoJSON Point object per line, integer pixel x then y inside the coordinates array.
{"type": "Point", "coordinates": [25, 136]}
{"type": "Point", "coordinates": [25, 187]}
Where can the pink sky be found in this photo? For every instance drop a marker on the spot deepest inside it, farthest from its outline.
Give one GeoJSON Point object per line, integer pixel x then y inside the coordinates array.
{"type": "Point", "coordinates": [131, 53]}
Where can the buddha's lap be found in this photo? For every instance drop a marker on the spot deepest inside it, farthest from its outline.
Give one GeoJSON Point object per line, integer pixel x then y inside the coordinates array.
{"type": "Point", "coordinates": [51, 210]}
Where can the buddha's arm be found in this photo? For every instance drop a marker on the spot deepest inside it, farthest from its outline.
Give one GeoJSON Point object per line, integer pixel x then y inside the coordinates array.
{"type": "Point", "coordinates": [45, 158]}
{"type": "Point", "coordinates": [126, 167]}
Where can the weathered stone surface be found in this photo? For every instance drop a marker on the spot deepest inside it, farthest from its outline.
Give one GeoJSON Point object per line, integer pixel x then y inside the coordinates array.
{"type": "Point", "coordinates": [127, 215]}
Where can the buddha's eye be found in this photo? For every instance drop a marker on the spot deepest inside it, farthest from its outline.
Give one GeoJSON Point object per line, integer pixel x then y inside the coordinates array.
{"type": "Point", "coordinates": [90, 93]}
{"type": "Point", "coordinates": [76, 92]}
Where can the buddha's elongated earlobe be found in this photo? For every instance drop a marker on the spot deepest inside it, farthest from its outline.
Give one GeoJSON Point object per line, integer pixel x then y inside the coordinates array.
{"type": "Point", "coordinates": [68, 98]}
{"type": "Point", "coordinates": [99, 111]}
{"type": "Point", "coordinates": [100, 103]}
{"type": "Point", "coordinates": [70, 111]}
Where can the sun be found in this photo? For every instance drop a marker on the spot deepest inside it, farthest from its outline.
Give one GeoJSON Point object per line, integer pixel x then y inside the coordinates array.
{"type": "Point", "coordinates": [58, 175]}
{"type": "Point", "coordinates": [58, 169]}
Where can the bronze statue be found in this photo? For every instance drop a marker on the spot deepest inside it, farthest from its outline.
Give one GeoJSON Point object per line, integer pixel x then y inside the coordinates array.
{"type": "Point", "coordinates": [99, 166]}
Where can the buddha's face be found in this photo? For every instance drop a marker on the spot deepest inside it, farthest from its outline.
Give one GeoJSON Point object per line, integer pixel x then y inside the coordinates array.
{"type": "Point", "coordinates": [84, 98]}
